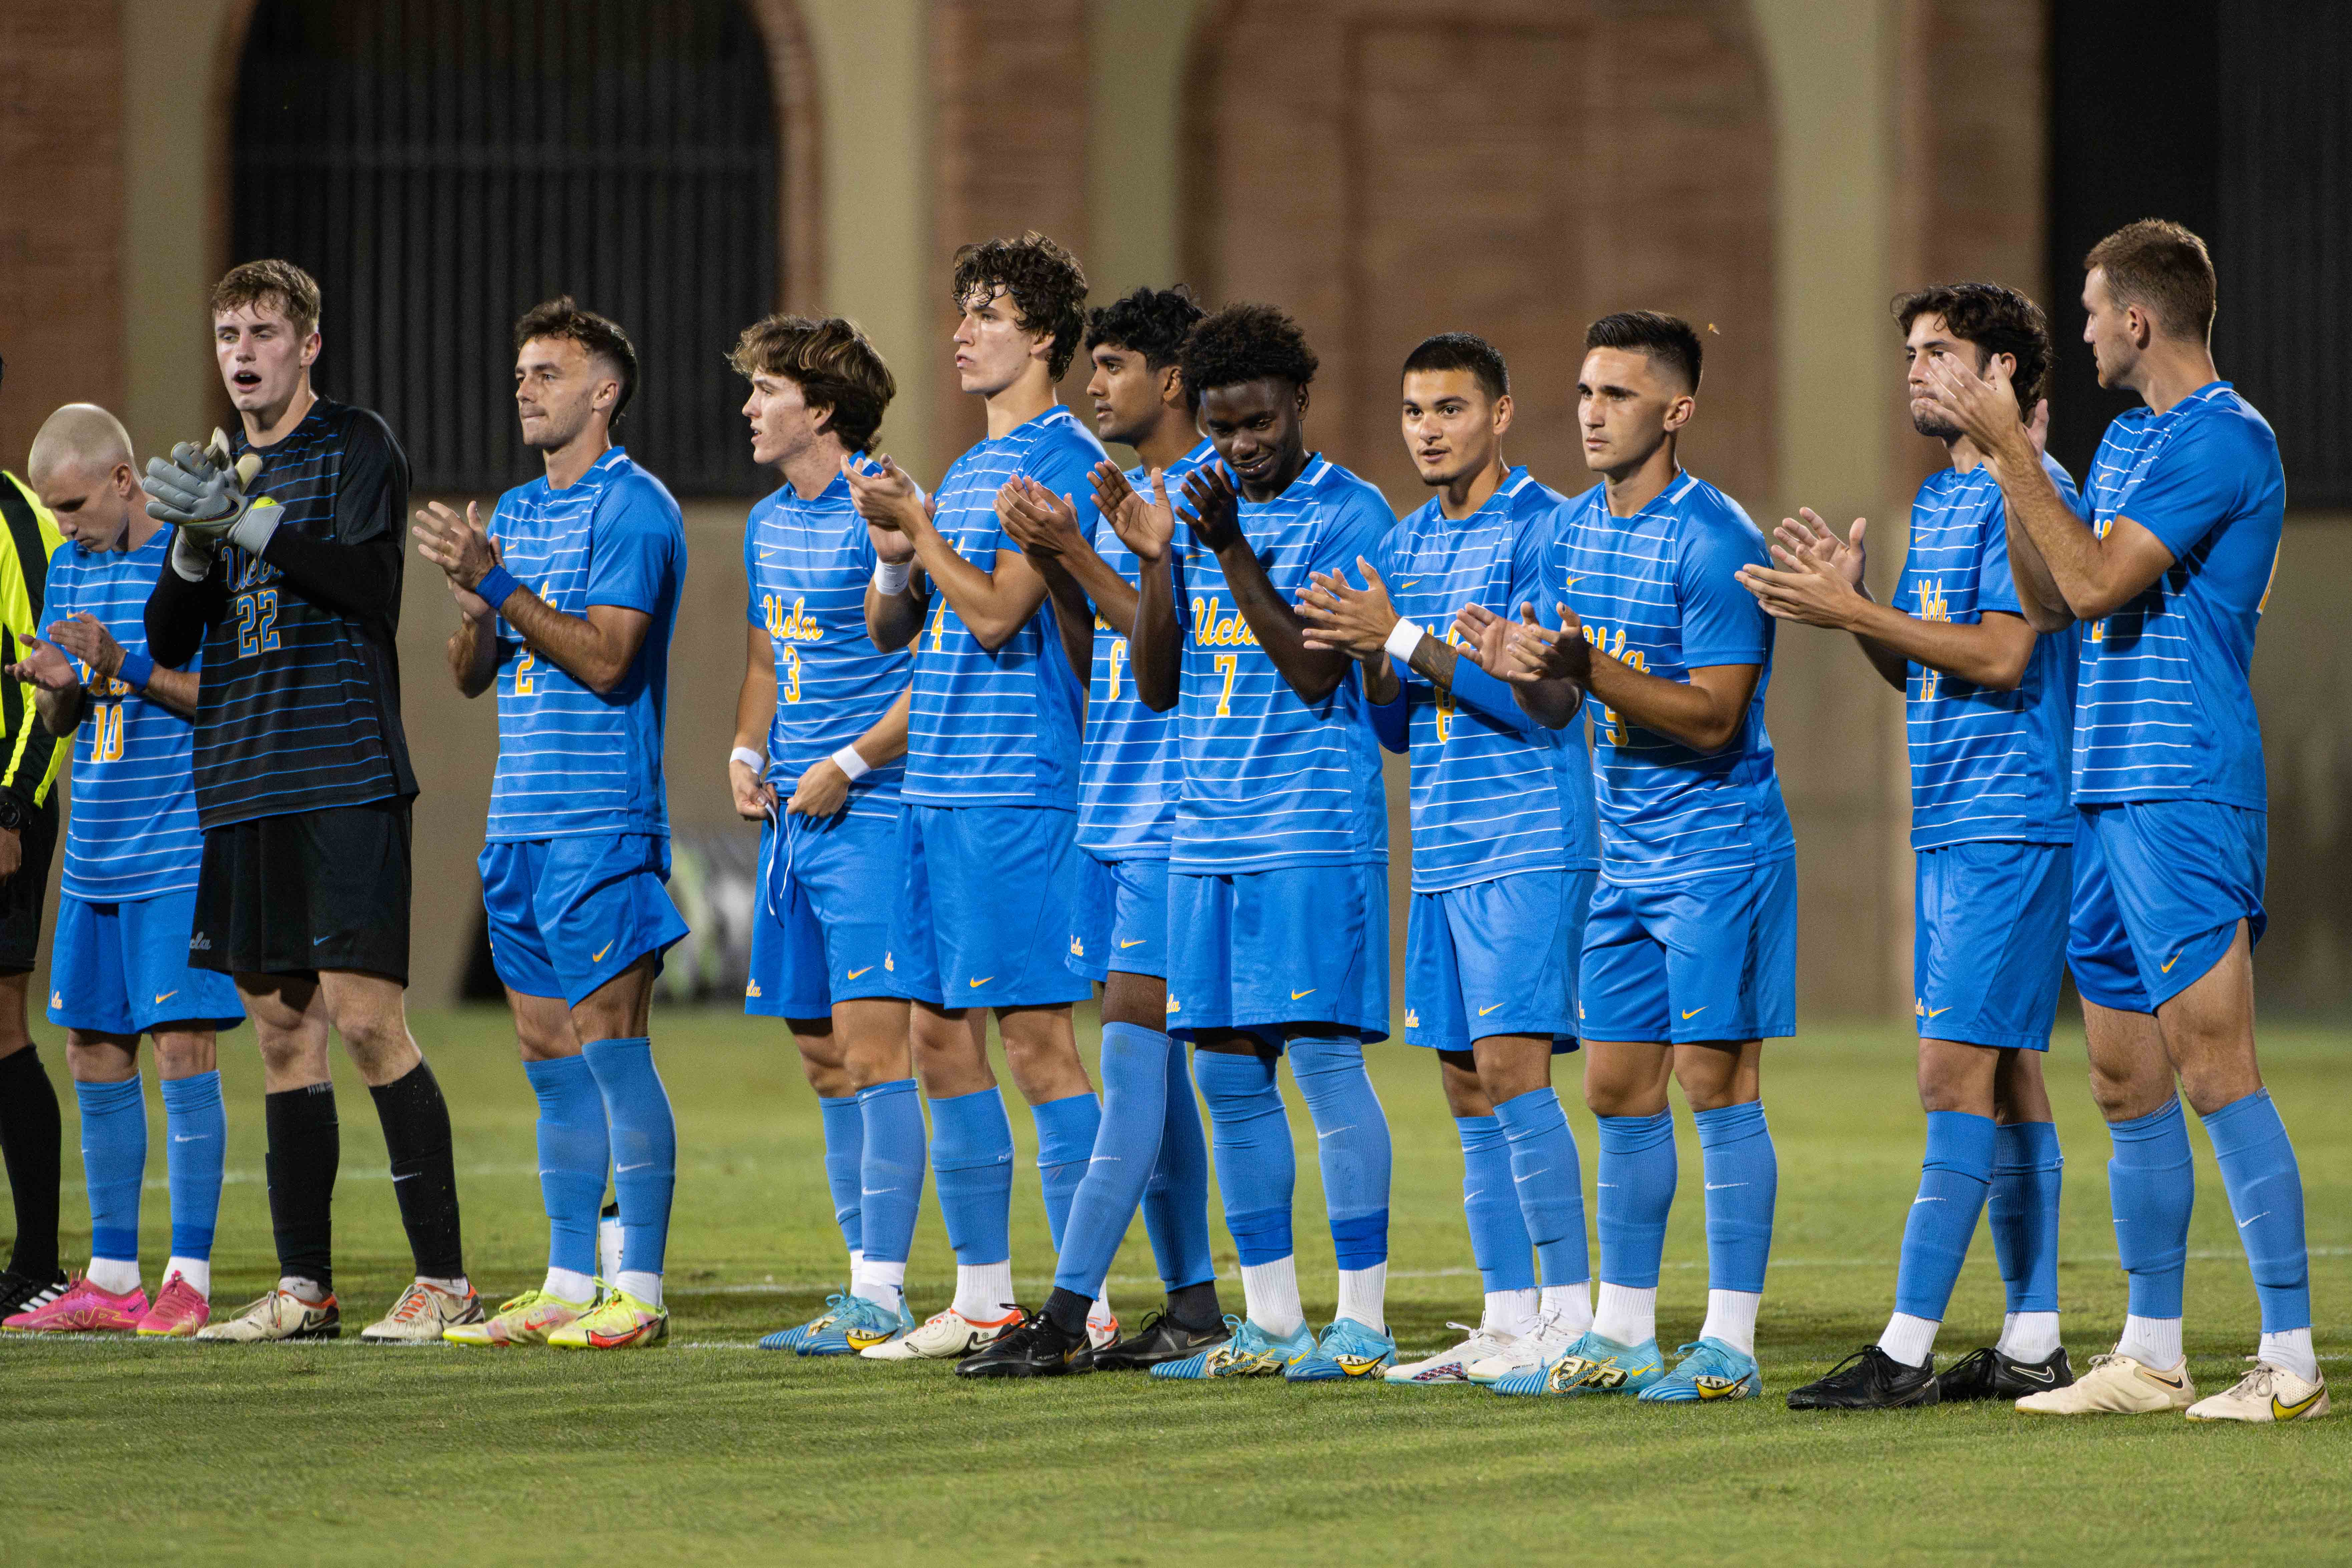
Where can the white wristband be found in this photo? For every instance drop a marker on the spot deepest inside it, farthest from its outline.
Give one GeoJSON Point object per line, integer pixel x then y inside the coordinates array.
{"type": "Point", "coordinates": [891, 577]}
{"type": "Point", "coordinates": [850, 763]}
{"type": "Point", "coordinates": [750, 759]}
{"type": "Point", "coordinates": [1403, 638]}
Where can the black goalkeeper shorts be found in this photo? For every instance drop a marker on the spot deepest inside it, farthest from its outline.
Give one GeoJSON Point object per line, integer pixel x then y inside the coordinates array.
{"type": "Point", "coordinates": [305, 891]}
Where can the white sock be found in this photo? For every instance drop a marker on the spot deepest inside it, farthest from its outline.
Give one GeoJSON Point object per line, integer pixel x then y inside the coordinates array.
{"type": "Point", "coordinates": [1908, 1340]}
{"type": "Point", "coordinates": [1364, 1295]}
{"type": "Point", "coordinates": [2290, 1350]}
{"type": "Point", "coordinates": [856, 1260]}
{"type": "Point", "coordinates": [1100, 1310]}
{"type": "Point", "coordinates": [645, 1286]}
{"type": "Point", "coordinates": [2029, 1336]}
{"type": "Point", "coordinates": [2151, 1342]}
{"type": "Point", "coordinates": [302, 1287]}
{"type": "Point", "coordinates": [115, 1276]}
{"type": "Point", "coordinates": [1509, 1312]}
{"type": "Point", "coordinates": [457, 1286]}
{"type": "Point", "coordinates": [1270, 1297]}
{"type": "Point", "coordinates": [1570, 1304]}
{"type": "Point", "coordinates": [881, 1283]}
{"type": "Point", "coordinates": [196, 1271]}
{"type": "Point", "coordinates": [1731, 1317]}
{"type": "Point", "coordinates": [570, 1285]}
{"type": "Point", "coordinates": [1627, 1316]}
{"type": "Point", "coordinates": [984, 1291]}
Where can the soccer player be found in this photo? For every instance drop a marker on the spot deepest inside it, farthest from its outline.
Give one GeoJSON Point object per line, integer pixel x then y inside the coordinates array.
{"type": "Point", "coordinates": [1503, 857]}
{"type": "Point", "coordinates": [990, 787]}
{"type": "Point", "coordinates": [1689, 958]}
{"type": "Point", "coordinates": [1277, 890]}
{"type": "Point", "coordinates": [820, 732]}
{"type": "Point", "coordinates": [1989, 704]}
{"type": "Point", "coordinates": [1149, 1149]}
{"type": "Point", "coordinates": [119, 966]}
{"type": "Point", "coordinates": [578, 846]}
{"type": "Point", "coordinates": [2187, 503]}
{"type": "Point", "coordinates": [285, 571]}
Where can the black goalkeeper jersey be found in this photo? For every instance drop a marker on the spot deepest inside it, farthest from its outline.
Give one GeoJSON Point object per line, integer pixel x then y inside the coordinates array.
{"type": "Point", "coordinates": [299, 708]}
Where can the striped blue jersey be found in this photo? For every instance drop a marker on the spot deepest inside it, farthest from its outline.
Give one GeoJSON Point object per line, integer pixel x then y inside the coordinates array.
{"type": "Point", "coordinates": [571, 760]}
{"type": "Point", "coordinates": [808, 563]}
{"type": "Point", "coordinates": [1985, 764]}
{"type": "Point", "coordinates": [1659, 591]}
{"type": "Point", "coordinates": [1486, 801]}
{"type": "Point", "coordinates": [999, 728]}
{"type": "Point", "coordinates": [1129, 770]}
{"type": "Point", "coordinates": [132, 832]}
{"type": "Point", "coordinates": [2165, 707]}
{"type": "Point", "coordinates": [1269, 781]}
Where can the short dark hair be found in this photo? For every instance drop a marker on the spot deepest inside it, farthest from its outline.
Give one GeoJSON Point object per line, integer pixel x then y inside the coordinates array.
{"type": "Point", "coordinates": [601, 338]}
{"type": "Point", "coordinates": [1999, 320]}
{"type": "Point", "coordinates": [1246, 342]}
{"type": "Point", "coordinates": [273, 282]}
{"type": "Point", "coordinates": [1463, 351]}
{"type": "Point", "coordinates": [2163, 267]}
{"type": "Point", "coordinates": [1152, 321]}
{"type": "Point", "coordinates": [1048, 285]}
{"type": "Point", "coordinates": [831, 362]}
{"type": "Point", "coordinates": [1668, 339]}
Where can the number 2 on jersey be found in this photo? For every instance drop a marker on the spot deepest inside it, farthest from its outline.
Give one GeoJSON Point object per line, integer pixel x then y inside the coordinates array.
{"type": "Point", "coordinates": [256, 622]}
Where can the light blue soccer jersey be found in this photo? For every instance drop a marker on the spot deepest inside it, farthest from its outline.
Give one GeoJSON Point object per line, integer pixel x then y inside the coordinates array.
{"type": "Point", "coordinates": [808, 563]}
{"type": "Point", "coordinates": [132, 832]}
{"type": "Point", "coordinates": [1985, 764]}
{"type": "Point", "coordinates": [999, 728]}
{"type": "Point", "coordinates": [1659, 591]}
{"type": "Point", "coordinates": [1129, 770]}
{"type": "Point", "coordinates": [1268, 780]}
{"type": "Point", "coordinates": [1487, 801]}
{"type": "Point", "coordinates": [571, 760]}
{"type": "Point", "coordinates": [2165, 707]}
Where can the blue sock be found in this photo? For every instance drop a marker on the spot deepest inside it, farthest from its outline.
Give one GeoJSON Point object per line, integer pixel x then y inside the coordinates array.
{"type": "Point", "coordinates": [972, 1158]}
{"type": "Point", "coordinates": [2152, 1187]}
{"type": "Point", "coordinates": [574, 1150]}
{"type": "Point", "coordinates": [1498, 1234]}
{"type": "Point", "coordinates": [844, 1162]}
{"type": "Point", "coordinates": [1953, 1180]}
{"type": "Point", "coordinates": [644, 1147]}
{"type": "Point", "coordinates": [2259, 1172]}
{"type": "Point", "coordinates": [890, 1180]}
{"type": "Point", "coordinates": [195, 1158]}
{"type": "Point", "coordinates": [1351, 1139]}
{"type": "Point", "coordinates": [1636, 1192]}
{"type": "Point", "coordinates": [114, 1163]}
{"type": "Point", "coordinates": [1066, 1141]}
{"type": "Point", "coordinates": [1550, 1181]}
{"type": "Point", "coordinates": [1256, 1166]}
{"type": "Point", "coordinates": [1124, 1149]}
{"type": "Point", "coordinates": [1743, 1177]}
{"type": "Point", "coordinates": [2022, 1208]}
{"type": "Point", "coordinates": [1176, 1202]}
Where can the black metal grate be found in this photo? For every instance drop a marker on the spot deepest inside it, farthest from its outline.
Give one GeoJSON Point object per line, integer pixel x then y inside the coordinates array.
{"type": "Point", "coordinates": [441, 165]}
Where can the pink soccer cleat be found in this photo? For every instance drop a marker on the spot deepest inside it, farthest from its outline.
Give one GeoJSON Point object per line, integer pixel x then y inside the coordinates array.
{"type": "Point", "coordinates": [84, 1309]}
{"type": "Point", "coordinates": [178, 1312]}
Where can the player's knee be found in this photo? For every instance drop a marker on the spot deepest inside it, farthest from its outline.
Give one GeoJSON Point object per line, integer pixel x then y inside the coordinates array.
{"type": "Point", "coordinates": [184, 1053]}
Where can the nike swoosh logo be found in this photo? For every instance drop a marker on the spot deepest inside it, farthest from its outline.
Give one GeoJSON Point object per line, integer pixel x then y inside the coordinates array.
{"type": "Point", "coordinates": [1530, 1176]}
{"type": "Point", "coordinates": [410, 1177]}
{"type": "Point", "coordinates": [2244, 1223]}
{"type": "Point", "coordinates": [856, 972]}
{"type": "Point", "coordinates": [1297, 994]}
{"type": "Point", "coordinates": [598, 956]}
{"type": "Point", "coordinates": [2045, 1374]}
{"type": "Point", "coordinates": [1693, 1013]}
{"type": "Point", "coordinates": [2165, 967]}
{"type": "Point", "coordinates": [1939, 1012]}
{"type": "Point", "coordinates": [163, 997]}
{"type": "Point", "coordinates": [316, 940]}
{"type": "Point", "coordinates": [1484, 1011]}
{"type": "Point", "coordinates": [638, 1166]}
{"type": "Point", "coordinates": [190, 1137]}
{"type": "Point", "coordinates": [1917, 1202]}
{"type": "Point", "coordinates": [1335, 1132]}
{"type": "Point", "coordinates": [2173, 1383]}
{"type": "Point", "coordinates": [2289, 1412]}
{"type": "Point", "coordinates": [1567, 583]}
{"type": "Point", "coordinates": [1136, 941]}
{"type": "Point", "coordinates": [1407, 582]}
{"type": "Point", "coordinates": [982, 981]}
{"type": "Point", "coordinates": [1719, 1186]}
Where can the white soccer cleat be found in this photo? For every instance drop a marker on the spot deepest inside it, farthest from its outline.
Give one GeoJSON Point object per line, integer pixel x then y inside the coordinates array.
{"type": "Point", "coordinates": [1452, 1366]}
{"type": "Point", "coordinates": [944, 1336]}
{"type": "Point", "coordinates": [422, 1315]}
{"type": "Point", "coordinates": [2116, 1385]}
{"type": "Point", "coordinates": [1102, 1330]}
{"type": "Point", "coordinates": [2266, 1394]}
{"type": "Point", "coordinates": [1546, 1341]}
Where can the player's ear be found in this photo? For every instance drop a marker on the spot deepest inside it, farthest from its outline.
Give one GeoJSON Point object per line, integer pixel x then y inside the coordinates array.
{"type": "Point", "coordinates": [820, 416]}
{"type": "Point", "coordinates": [310, 347]}
{"type": "Point", "coordinates": [1679, 412]}
{"type": "Point", "coordinates": [1171, 385]}
{"type": "Point", "coordinates": [1503, 410]}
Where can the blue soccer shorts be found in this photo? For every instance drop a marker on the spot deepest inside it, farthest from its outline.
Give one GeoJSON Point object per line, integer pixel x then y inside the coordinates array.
{"type": "Point", "coordinates": [1989, 943]}
{"type": "Point", "coordinates": [1120, 922]}
{"type": "Point", "coordinates": [1706, 958]}
{"type": "Point", "coordinates": [1305, 945]}
{"type": "Point", "coordinates": [1496, 958]}
{"type": "Point", "coordinates": [122, 968]}
{"type": "Point", "coordinates": [568, 914]}
{"type": "Point", "coordinates": [2159, 888]}
{"type": "Point", "coordinates": [821, 924]}
{"type": "Point", "coordinates": [983, 914]}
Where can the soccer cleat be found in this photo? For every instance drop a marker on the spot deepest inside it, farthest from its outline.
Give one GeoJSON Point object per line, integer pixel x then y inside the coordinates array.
{"type": "Point", "coordinates": [178, 1312]}
{"type": "Point", "coordinates": [1452, 1366]}
{"type": "Point", "coordinates": [944, 1336]}
{"type": "Point", "coordinates": [1541, 1345]}
{"type": "Point", "coordinates": [23, 1292]}
{"type": "Point", "coordinates": [2116, 1385]}
{"type": "Point", "coordinates": [1870, 1379]}
{"type": "Point", "coordinates": [1102, 1329]}
{"type": "Point", "coordinates": [1346, 1350]}
{"type": "Point", "coordinates": [1591, 1366]}
{"type": "Point", "coordinates": [422, 1315]}
{"type": "Point", "coordinates": [1034, 1347]}
{"type": "Point", "coordinates": [792, 1339]}
{"type": "Point", "coordinates": [1988, 1373]}
{"type": "Point", "coordinates": [1162, 1339]}
{"type": "Point", "coordinates": [279, 1316]}
{"type": "Point", "coordinates": [2268, 1393]}
{"type": "Point", "coordinates": [1248, 1351]}
{"type": "Point", "coordinates": [859, 1325]}
{"type": "Point", "coordinates": [618, 1322]}
{"type": "Point", "coordinates": [83, 1308]}
{"type": "Point", "coordinates": [525, 1319]}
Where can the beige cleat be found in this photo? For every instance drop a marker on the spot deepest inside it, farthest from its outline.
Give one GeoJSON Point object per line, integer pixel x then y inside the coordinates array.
{"type": "Point", "coordinates": [279, 1316]}
{"type": "Point", "coordinates": [944, 1336]}
{"type": "Point", "coordinates": [2116, 1385]}
{"type": "Point", "coordinates": [2266, 1394]}
{"type": "Point", "coordinates": [527, 1319]}
{"type": "Point", "coordinates": [422, 1315]}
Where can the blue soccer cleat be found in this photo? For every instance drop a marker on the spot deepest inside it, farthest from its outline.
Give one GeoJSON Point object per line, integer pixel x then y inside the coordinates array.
{"type": "Point", "coordinates": [1708, 1370]}
{"type": "Point", "coordinates": [1251, 1353]}
{"type": "Point", "coordinates": [792, 1339]}
{"type": "Point", "coordinates": [1591, 1366]}
{"type": "Point", "coordinates": [857, 1325]}
{"type": "Point", "coordinates": [1346, 1350]}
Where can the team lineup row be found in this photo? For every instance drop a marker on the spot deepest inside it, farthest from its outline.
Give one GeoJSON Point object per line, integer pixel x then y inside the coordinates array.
{"type": "Point", "coordinates": [1058, 724]}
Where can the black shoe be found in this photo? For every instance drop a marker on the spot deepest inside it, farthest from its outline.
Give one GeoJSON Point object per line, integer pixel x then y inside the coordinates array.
{"type": "Point", "coordinates": [1989, 1374]}
{"type": "Point", "coordinates": [1161, 1338]}
{"type": "Point", "coordinates": [1869, 1379]}
{"type": "Point", "coordinates": [1034, 1347]}
{"type": "Point", "coordinates": [23, 1292]}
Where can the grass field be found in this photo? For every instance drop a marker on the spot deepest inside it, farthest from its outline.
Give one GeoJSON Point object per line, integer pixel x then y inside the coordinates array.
{"type": "Point", "coordinates": [339, 1453]}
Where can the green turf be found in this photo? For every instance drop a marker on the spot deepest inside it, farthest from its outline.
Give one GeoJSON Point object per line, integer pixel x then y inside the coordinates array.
{"type": "Point", "coordinates": [335, 1453]}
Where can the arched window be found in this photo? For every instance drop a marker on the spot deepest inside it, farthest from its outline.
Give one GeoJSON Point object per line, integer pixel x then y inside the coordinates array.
{"type": "Point", "coordinates": [441, 167]}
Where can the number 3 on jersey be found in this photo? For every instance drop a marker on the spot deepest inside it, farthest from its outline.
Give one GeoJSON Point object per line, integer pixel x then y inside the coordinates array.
{"type": "Point", "coordinates": [256, 622]}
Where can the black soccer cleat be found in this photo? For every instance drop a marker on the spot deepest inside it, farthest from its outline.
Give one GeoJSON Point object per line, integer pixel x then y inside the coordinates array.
{"type": "Point", "coordinates": [1869, 1379]}
{"type": "Point", "coordinates": [23, 1292]}
{"type": "Point", "coordinates": [1034, 1347]}
{"type": "Point", "coordinates": [1160, 1339]}
{"type": "Point", "coordinates": [1987, 1374]}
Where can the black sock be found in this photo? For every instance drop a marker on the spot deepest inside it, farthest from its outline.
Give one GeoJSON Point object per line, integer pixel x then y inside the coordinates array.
{"type": "Point", "coordinates": [1195, 1307]}
{"type": "Point", "coordinates": [306, 1145]}
{"type": "Point", "coordinates": [31, 1137]}
{"type": "Point", "coordinates": [424, 1169]}
{"type": "Point", "coordinates": [1068, 1311]}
